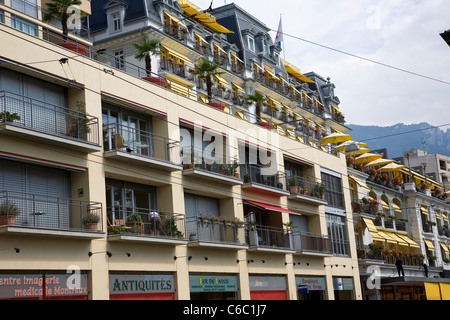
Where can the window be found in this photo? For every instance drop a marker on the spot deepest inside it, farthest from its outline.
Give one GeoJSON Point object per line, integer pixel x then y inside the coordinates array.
{"type": "Point", "coordinates": [338, 234]}
{"type": "Point", "coordinates": [117, 21]}
{"type": "Point", "coordinates": [119, 59]}
{"type": "Point", "coordinates": [23, 25]}
{"type": "Point", "coordinates": [251, 43]}
{"type": "Point", "coordinates": [333, 193]}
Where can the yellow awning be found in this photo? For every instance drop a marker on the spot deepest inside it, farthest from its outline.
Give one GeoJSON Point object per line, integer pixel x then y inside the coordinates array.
{"type": "Point", "coordinates": [180, 88]}
{"type": "Point", "coordinates": [295, 72]}
{"type": "Point", "coordinates": [240, 114]}
{"type": "Point", "coordinates": [411, 243]}
{"type": "Point", "coordinates": [373, 230]}
{"type": "Point", "coordinates": [361, 183]}
{"type": "Point", "coordinates": [396, 207]}
{"type": "Point", "coordinates": [444, 246]}
{"type": "Point", "coordinates": [387, 237]}
{"type": "Point", "coordinates": [437, 212]}
{"type": "Point", "coordinates": [445, 290]}
{"type": "Point", "coordinates": [173, 78]}
{"type": "Point", "coordinates": [424, 209]}
{"type": "Point", "coordinates": [399, 240]}
{"type": "Point", "coordinates": [236, 57]}
{"type": "Point", "coordinates": [201, 38]}
{"type": "Point", "coordinates": [238, 87]}
{"type": "Point", "coordinates": [220, 49]}
{"type": "Point", "coordinates": [221, 80]}
{"type": "Point", "coordinates": [270, 73]}
{"type": "Point", "coordinates": [429, 245]}
{"type": "Point", "coordinates": [445, 216]}
{"type": "Point", "coordinates": [177, 55]}
{"type": "Point", "coordinates": [432, 290]}
{"type": "Point", "coordinates": [203, 17]}
{"type": "Point", "coordinates": [384, 205]}
{"type": "Point", "coordinates": [173, 18]}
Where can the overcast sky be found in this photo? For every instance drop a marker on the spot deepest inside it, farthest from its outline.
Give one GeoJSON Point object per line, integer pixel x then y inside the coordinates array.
{"type": "Point", "coordinates": [400, 33]}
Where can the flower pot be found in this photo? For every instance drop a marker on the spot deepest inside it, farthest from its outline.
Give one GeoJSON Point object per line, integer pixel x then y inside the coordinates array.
{"type": "Point", "coordinates": [75, 47]}
{"type": "Point", "coordinates": [7, 220]}
{"type": "Point", "coordinates": [91, 226]}
{"type": "Point", "coordinates": [156, 80]}
{"type": "Point", "coordinates": [294, 189]}
{"type": "Point", "coordinates": [217, 105]}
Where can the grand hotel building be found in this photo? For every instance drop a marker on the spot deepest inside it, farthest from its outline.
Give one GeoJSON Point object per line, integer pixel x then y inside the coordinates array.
{"type": "Point", "coordinates": [96, 176]}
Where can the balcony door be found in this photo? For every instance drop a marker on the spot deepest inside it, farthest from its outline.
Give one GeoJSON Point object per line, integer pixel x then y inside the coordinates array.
{"type": "Point", "coordinates": [126, 198]}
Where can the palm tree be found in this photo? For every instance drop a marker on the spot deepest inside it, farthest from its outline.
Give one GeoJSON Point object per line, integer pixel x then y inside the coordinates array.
{"type": "Point", "coordinates": [145, 48]}
{"type": "Point", "coordinates": [57, 9]}
{"type": "Point", "coordinates": [205, 70]}
{"type": "Point", "coordinates": [258, 99]}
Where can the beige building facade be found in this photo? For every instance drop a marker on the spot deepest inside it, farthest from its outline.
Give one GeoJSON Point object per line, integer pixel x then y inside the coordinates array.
{"type": "Point", "coordinates": [85, 144]}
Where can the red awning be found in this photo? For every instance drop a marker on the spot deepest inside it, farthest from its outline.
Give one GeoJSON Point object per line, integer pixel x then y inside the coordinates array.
{"type": "Point", "coordinates": [271, 208]}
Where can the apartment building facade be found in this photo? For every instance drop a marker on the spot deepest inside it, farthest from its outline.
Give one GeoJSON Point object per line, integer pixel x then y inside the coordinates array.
{"type": "Point", "coordinates": [149, 189]}
{"type": "Point", "coordinates": [400, 217]}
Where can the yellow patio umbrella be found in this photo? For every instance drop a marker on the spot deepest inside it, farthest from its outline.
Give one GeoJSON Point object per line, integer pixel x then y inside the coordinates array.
{"type": "Point", "coordinates": [336, 138]}
{"type": "Point", "coordinates": [368, 157]}
{"type": "Point", "coordinates": [356, 153]}
{"type": "Point", "coordinates": [344, 145]}
{"type": "Point", "coordinates": [379, 162]}
{"type": "Point", "coordinates": [392, 167]}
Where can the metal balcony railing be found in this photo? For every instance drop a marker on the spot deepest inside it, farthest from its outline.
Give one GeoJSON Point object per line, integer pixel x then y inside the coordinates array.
{"type": "Point", "coordinates": [308, 242]}
{"type": "Point", "coordinates": [140, 143]}
{"type": "Point", "coordinates": [255, 174]}
{"type": "Point", "coordinates": [209, 161]}
{"type": "Point", "coordinates": [212, 229]}
{"type": "Point", "coordinates": [308, 187]}
{"type": "Point", "coordinates": [36, 211]}
{"type": "Point", "coordinates": [146, 223]}
{"type": "Point", "coordinates": [265, 236]}
{"type": "Point", "coordinates": [29, 113]}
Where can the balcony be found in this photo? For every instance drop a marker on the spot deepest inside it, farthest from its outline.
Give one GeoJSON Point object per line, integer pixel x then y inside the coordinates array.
{"type": "Point", "coordinates": [304, 190]}
{"type": "Point", "coordinates": [139, 146]}
{"type": "Point", "coordinates": [180, 70]}
{"type": "Point", "coordinates": [310, 244]}
{"type": "Point", "coordinates": [214, 232]}
{"type": "Point", "coordinates": [33, 214]}
{"type": "Point", "coordinates": [255, 178]}
{"type": "Point", "coordinates": [39, 121]}
{"type": "Point", "coordinates": [197, 163]}
{"type": "Point", "coordinates": [268, 239]}
{"type": "Point", "coordinates": [145, 225]}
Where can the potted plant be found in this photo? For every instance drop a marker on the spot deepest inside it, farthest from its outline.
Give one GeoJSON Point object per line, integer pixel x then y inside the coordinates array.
{"type": "Point", "coordinates": [90, 221]}
{"type": "Point", "coordinates": [79, 122]}
{"type": "Point", "coordinates": [293, 186]}
{"type": "Point", "coordinates": [8, 212]}
{"type": "Point", "coordinates": [146, 48]}
{"type": "Point", "coordinates": [8, 117]}
{"type": "Point", "coordinates": [193, 237]}
{"type": "Point", "coordinates": [57, 9]}
{"type": "Point", "coordinates": [247, 178]}
{"type": "Point", "coordinates": [258, 99]}
{"type": "Point", "coordinates": [206, 70]}
{"type": "Point", "coordinates": [134, 221]}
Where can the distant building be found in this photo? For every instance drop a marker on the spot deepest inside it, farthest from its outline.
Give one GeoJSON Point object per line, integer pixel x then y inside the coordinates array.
{"type": "Point", "coordinates": [435, 166]}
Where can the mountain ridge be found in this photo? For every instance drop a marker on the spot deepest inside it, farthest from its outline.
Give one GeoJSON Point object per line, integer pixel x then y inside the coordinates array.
{"type": "Point", "coordinates": [402, 137]}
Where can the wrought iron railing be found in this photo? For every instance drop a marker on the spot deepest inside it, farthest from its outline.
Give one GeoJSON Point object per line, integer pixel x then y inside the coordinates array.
{"type": "Point", "coordinates": [212, 229]}
{"type": "Point", "coordinates": [307, 242]}
{"type": "Point", "coordinates": [37, 211]}
{"type": "Point", "coordinates": [146, 223]}
{"type": "Point", "coordinates": [263, 176]}
{"type": "Point", "coordinates": [140, 142]}
{"type": "Point", "coordinates": [41, 116]}
{"type": "Point", "coordinates": [265, 236]}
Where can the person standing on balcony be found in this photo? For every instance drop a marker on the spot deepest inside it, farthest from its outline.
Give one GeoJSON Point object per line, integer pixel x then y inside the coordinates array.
{"type": "Point", "coordinates": [399, 266]}
{"type": "Point", "coordinates": [155, 221]}
{"type": "Point", "coordinates": [425, 266]}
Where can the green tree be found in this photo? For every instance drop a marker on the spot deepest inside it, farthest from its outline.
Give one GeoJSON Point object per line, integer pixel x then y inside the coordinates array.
{"type": "Point", "coordinates": [258, 99]}
{"type": "Point", "coordinates": [145, 48]}
{"type": "Point", "coordinates": [57, 9]}
{"type": "Point", "coordinates": [205, 70]}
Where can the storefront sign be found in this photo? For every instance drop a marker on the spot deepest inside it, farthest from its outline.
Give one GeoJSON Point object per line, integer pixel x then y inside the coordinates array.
{"type": "Point", "coordinates": [140, 284]}
{"type": "Point", "coordinates": [20, 286]}
{"type": "Point", "coordinates": [312, 283]}
{"type": "Point", "coordinates": [343, 283]}
{"type": "Point", "coordinates": [264, 283]}
{"type": "Point", "coordinates": [208, 283]}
